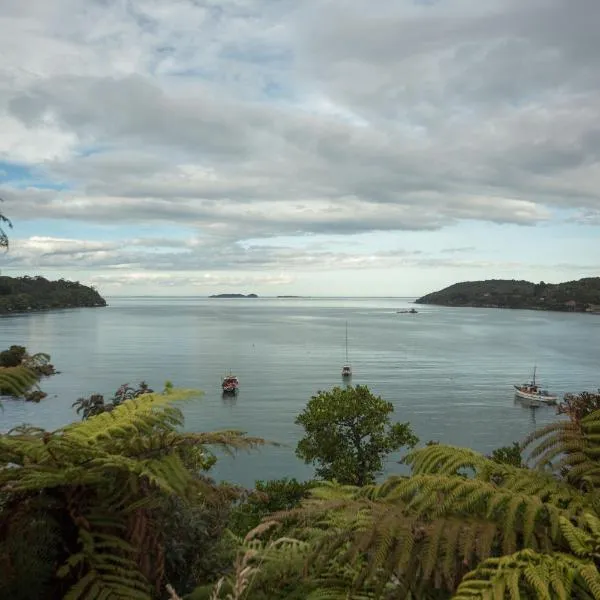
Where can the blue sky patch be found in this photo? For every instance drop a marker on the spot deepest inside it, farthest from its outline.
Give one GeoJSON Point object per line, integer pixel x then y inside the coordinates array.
{"type": "Point", "coordinates": [21, 177]}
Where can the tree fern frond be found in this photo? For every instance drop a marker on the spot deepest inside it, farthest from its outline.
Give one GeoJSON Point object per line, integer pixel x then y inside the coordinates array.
{"type": "Point", "coordinates": [107, 480]}
{"type": "Point", "coordinates": [591, 577]}
{"type": "Point", "coordinates": [446, 460]}
{"type": "Point", "coordinates": [528, 574]}
{"type": "Point", "coordinates": [431, 526]}
{"type": "Point", "coordinates": [578, 540]}
{"type": "Point", "coordinates": [15, 381]}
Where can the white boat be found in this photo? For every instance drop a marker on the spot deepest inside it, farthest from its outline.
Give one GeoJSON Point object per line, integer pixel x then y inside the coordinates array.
{"type": "Point", "coordinates": [534, 393]}
{"type": "Point", "coordinates": [346, 369]}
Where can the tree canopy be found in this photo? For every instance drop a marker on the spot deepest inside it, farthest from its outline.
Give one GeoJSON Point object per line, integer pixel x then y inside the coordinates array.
{"type": "Point", "coordinates": [348, 433]}
{"type": "Point", "coordinates": [21, 294]}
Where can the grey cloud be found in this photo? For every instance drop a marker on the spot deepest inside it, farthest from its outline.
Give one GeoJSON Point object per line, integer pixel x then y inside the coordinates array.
{"type": "Point", "coordinates": [507, 48]}
{"type": "Point", "coordinates": [133, 109]}
{"type": "Point", "coordinates": [228, 220]}
{"type": "Point", "coordinates": [408, 117]}
{"type": "Point", "coordinates": [225, 263]}
{"type": "Point", "coordinates": [156, 255]}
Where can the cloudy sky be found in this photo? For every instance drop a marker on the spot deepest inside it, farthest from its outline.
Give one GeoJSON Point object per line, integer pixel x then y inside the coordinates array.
{"type": "Point", "coordinates": [314, 147]}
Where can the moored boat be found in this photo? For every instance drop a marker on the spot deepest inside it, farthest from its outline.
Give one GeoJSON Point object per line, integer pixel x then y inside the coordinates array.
{"type": "Point", "coordinates": [346, 369]}
{"type": "Point", "coordinates": [532, 391]}
{"type": "Point", "coordinates": [230, 384]}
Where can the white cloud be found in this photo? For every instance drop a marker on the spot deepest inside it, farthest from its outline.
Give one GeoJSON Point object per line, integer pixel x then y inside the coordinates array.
{"type": "Point", "coordinates": [245, 119]}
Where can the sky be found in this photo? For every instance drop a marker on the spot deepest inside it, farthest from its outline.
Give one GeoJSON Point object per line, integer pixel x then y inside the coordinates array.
{"type": "Point", "coordinates": [320, 147]}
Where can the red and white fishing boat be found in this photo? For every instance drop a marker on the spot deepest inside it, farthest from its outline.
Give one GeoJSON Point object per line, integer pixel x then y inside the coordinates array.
{"type": "Point", "coordinates": [534, 392]}
{"type": "Point", "coordinates": [230, 384]}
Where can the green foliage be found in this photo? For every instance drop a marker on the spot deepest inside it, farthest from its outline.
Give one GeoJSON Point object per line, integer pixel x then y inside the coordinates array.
{"type": "Point", "coordinates": [97, 497]}
{"type": "Point", "coordinates": [16, 381]}
{"type": "Point", "coordinates": [19, 372]}
{"type": "Point", "coordinates": [570, 449]}
{"type": "Point", "coordinates": [12, 357]}
{"type": "Point", "coordinates": [197, 546]}
{"type": "Point", "coordinates": [18, 355]}
{"type": "Point", "coordinates": [348, 433]}
{"type": "Point", "coordinates": [95, 404]}
{"type": "Point", "coordinates": [21, 294]}
{"type": "Point", "coordinates": [508, 455]}
{"type": "Point", "coordinates": [268, 497]}
{"type": "Point", "coordinates": [462, 525]}
{"type": "Point", "coordinates": [269, 570]}
{"type": "Point", "coordinates": [3, 236]}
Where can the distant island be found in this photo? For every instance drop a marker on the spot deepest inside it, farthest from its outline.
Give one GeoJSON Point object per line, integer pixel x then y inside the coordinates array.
{"type": "Point", "coordinates": [572, 296]}
{"type": "Point", "coordinates": [289, 296]}
{"type": "Point", "coordinates": [28, 294]}
{"type": "Point", "coordinates": [233, 296]}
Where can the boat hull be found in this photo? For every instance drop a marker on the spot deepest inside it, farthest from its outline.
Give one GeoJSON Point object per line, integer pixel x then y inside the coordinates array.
{"type": "Point", "coordinates": [536, 397]}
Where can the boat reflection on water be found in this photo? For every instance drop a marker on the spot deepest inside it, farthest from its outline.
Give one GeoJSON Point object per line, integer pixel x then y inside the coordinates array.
{"type": "Point", "coordinates": [532, 406]}
{"type": "Point", "coordinates": [229, 399]}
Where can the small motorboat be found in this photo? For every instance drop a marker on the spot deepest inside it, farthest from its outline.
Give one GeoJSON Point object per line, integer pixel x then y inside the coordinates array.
{"type": "Point", "coordinates": [534, 393]}
{"type": "Point", "coordinates": [230, 384]}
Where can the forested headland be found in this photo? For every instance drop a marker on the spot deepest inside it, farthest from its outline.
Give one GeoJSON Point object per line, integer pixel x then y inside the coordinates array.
{"type": "Point", "coordinates": [25, 294]}
{"type": "Point", "coordinates": [582, 295]}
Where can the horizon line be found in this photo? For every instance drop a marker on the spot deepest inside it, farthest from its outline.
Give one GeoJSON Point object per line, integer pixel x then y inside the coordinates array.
{"type": "Point", "coordinates": [257, 297]}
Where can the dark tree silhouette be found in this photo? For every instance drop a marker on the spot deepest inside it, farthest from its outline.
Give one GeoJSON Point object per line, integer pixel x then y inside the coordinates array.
{"type": "Point", "coordinates": [3, 236]}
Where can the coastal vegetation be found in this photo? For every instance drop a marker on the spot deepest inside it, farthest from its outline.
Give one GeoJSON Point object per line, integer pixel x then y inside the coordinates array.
{"type": "Point", "coordinates": [25, 294]}
{"type": "Point", "coordinates": [348, 433]}
{"type": "Point", "coordinates": [4, 221]}
{"type": "Point", "coordinates": [93, 510]}
{"type": "Point", "coordinates": [121, 505]}
{"type": "Point", "coordinates": [20, 373]}
{"type": "Point", "coordinates": [582, 295]}
{"type": "Point", "coordinates": [266, 498]}
{"type": "Point", "coordinates": [96, 404]}
{"type": "Point", "coordinates": [461, 525]}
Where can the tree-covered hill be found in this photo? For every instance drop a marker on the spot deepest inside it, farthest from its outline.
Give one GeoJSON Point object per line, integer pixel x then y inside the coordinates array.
{"type": "Point", "coordinates": [579, 296]}
{"type": "Point", "coordinates": [23, 294]}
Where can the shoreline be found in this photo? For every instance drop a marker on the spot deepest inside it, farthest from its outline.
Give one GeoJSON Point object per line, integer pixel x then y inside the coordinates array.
{"type": "Point", "coordinates": [533, 308]}
{"type": "Point", "coordinates": [4, 313]}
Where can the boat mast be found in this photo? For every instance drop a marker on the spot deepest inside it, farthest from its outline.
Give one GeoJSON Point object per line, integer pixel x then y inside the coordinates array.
{"type": "Point", "coordinates": [534, 370]}
{"type": "Point", "coordinates": [346, 342]}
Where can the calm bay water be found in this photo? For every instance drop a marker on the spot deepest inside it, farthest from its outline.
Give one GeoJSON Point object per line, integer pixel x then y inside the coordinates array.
{"type": "Point", "coordinates": [447, 371]}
